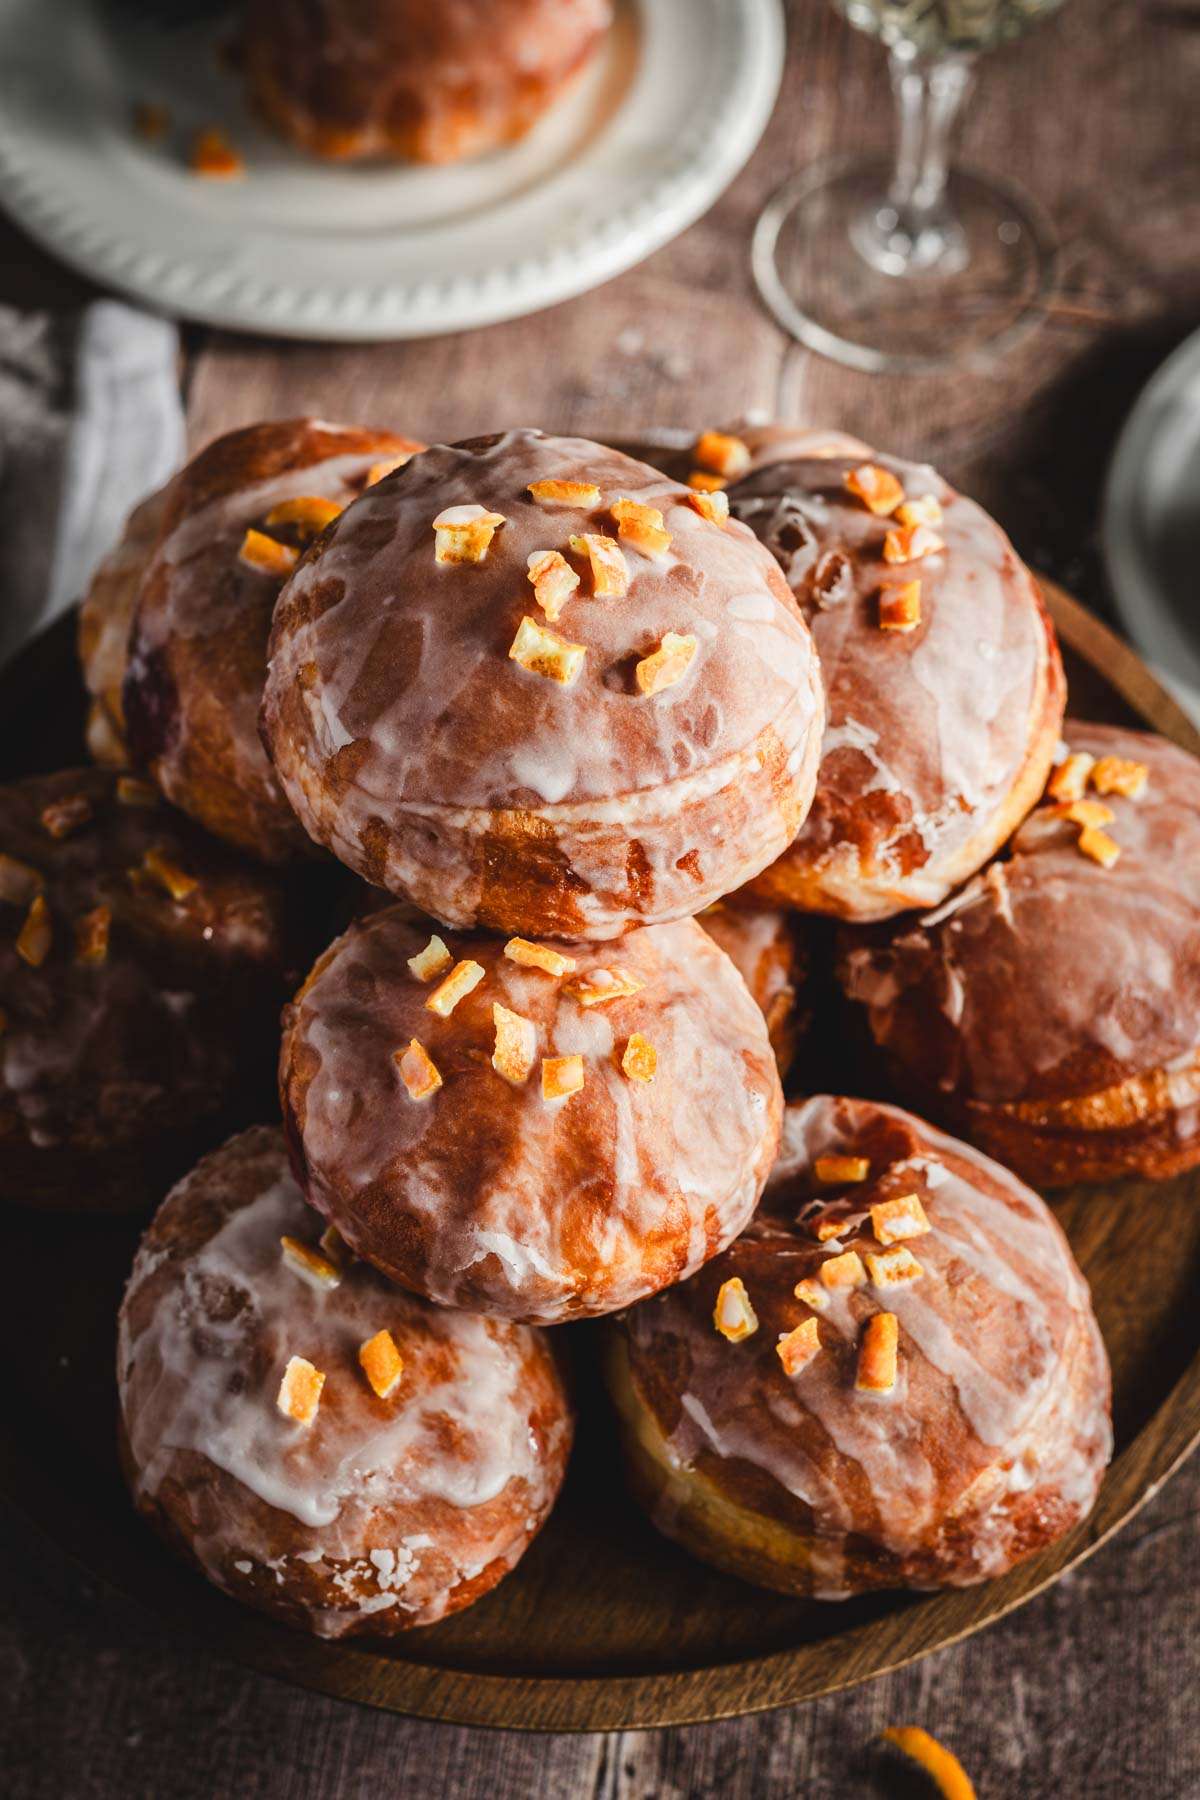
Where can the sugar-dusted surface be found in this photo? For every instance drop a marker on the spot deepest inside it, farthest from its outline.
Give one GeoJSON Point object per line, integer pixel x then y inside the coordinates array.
{"type": "Point", "coordinates": [413, 746]}
{"type": "Point", "coordinates": [992, 1442]}
{"type": "Point", "coordinates": [486, 1195]}
{"type": "Point", "coordinates": [937, 739]}
{"type": "Point", "coordinates": [383, 1513]}
{"type": "Point", "coordinates": [196, 631]}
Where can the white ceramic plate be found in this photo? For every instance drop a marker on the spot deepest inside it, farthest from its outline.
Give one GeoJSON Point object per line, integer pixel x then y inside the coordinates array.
{"type": "Point", "coordinates": [658, 127]}
{"type": "Point", "coordinates": [1151, 524]}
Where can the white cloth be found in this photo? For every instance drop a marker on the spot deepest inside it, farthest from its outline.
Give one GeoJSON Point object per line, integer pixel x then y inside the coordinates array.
{"type": "Point", "coordinates": [91, 421]}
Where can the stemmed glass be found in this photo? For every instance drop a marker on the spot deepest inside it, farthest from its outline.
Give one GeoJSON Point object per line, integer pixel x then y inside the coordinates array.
{"type": "Point", "coordinates": [930, 265]}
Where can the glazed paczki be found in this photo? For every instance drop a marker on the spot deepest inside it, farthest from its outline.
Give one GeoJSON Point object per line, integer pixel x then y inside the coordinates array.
{"type": "Point", "coordinates": [403, 78]}
{"type": "Point", "coordinates": [173, 632]}
{"type": "Point", "coordinates": [943, 681]}
{"type": "Point", "coordinates": [142, 968]}
{"type": "Point", "coordinates": [893, 1378]}
{"type": "Point", "coordinates": [1051, 1009]}
{"type": "Point", "coordinates": [323, 1446]}
{"type": "Point", "coordinates": [764, 945]}
{"type": "Point", "coordinates": [532, 1130]}
{"type": "Point", "coordinates": [531, 684]}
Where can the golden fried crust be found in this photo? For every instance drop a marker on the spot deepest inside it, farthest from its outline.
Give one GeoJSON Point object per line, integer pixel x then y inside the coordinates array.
{"type": "Point", "coordinates": [434, 763]}
{"type": "Point", "coordinates": [764, 946]}
{"type": "Point", "coordinates": [193, 659]}
{"type": "Point", "coordinates": [105, 616]}
{"type": "Point", "coordinates": [401, 78]}
{"type": "Point", "coordinates": [484, 1193]}
{"type": "Point", "coordinates": [1050, 1009]}
{"type": "Point", "coordinates": [383, 1512]}
{"type": "Point", "coordinates": [147, 1016]}
{"type": "Point", "coordinates": [939, 739]}
{"type": "Point", "coordinates": [992, 1441]}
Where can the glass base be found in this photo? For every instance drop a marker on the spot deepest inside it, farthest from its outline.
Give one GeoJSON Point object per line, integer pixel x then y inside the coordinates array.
{"type": "Point", "coordinates": [857, 282]}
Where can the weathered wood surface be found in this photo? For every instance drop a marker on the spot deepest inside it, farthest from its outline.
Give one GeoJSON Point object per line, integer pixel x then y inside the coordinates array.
{"type": "Point", "coordinates": [1092, 1689]}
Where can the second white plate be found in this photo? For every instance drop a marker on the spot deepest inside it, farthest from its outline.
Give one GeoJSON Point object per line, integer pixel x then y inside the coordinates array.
{"type": "Point", "coordinates": [1151, 523]}
{"type": "Point", "coordinates": [656, 130]}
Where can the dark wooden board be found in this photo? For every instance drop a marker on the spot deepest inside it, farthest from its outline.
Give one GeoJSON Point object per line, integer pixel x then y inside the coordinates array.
{"type": "Point", "coordinates": [605, 1624]}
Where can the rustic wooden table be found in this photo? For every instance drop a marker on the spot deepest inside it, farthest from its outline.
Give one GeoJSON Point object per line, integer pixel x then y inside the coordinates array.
{"type": "Point", "coordinates": [1091, 1690]}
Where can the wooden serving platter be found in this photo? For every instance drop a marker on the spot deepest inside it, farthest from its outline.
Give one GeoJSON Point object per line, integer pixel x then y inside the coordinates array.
{"type": "Point", "coordinates": [605, 1624]}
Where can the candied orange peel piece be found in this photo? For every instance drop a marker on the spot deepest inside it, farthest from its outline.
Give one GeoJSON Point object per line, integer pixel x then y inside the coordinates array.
{"type": "Point", "coordinates": [894, 1267]}
{"type": "Point", "coordinates": [133, 792]}
{"type": "Point", "coordinates": [318, 1270]}
{"type": "Point", "coordinates": [335, 1246]}
{"type": "Point", "coordinates": [63, 817]}
{"type": "Point", "coordinates": [943, 1768]}
{"type": "Point", "coordinates": [812, 1294]}
{"type": "Point", "coordinates": [702, 482]}
{"type": "Point", "coordinates": [36, 934]}
{"type": "Point", "coordinates": [712, 504]}
{"type": "Point", "coordinates": [601, 985]}
{"type": "Point", "coordinates": [899, 1218]}
{"type": "Point", "coordinates": [516, 1044]}
{"type": "Point", "coordinates": [565, 493]}
{"type": "Point", "coordinates": [879, 490]}
{"type": "Point", "coordinates": [309, 513]}
{"type": "Point", "coordinates": [462, 980]}
{"type": "Point", "coordinates": [840, 1171]}
{"type": "Point", "coordinates": [214, 157]}
{"type": "Point", "coordinates": [666, 665]}
{"type": "Point", "coordinates": [299, 1393]}
{"type": "Point", "coordinates": [606, 559]}
{"type": "Point", "coordinates": [923, 509]}
{"type": "Point", "coordinates": [418, 1071]}
{"type": "Point", "coordinates": [462, 534]}
{"type": "Point", "coordinates": [19, 881]}
{"type": "Point", "coordinates": [900, 606]}
{"type": "Point", "coordinates": [165, 873]}
{"type": "Point", "coordinates": [639, 1059]}
{"type": "Point", "coordinates": [1097, 845]}
{"type": "Point", "coordinates": [1069, 780]}
{"type": "Point", "coordinates": [92, 932]}
{"type": "Point", "coordinates": [642, 526]}
{"type": "Point", "coordinates": [387, 466]}
{"type": "Point", "coordinates": [1119, 775]}
{"type": "Point", "coordinates": [796, 1348]}
{"type": "Point", "coordinates": [543, 652]}
{"type": "Point", "coordinates": [553, 580]}
{"type": "Point", "coordinates": [721, 452]}
{"type": "Point", "coordinates": [844, 1271]}
{"type": "Point", "coordinates": [1080, 812]}
{"type": "Point", "coordinates": [910, 543]}
{"type": "Point", "coordinates": [562, 1076]}
{"type": "Point", "coordinates": [430, 961]}
{"type": "Point", "coordinates": [267, 554]}
{"type": "Point", "coordinates": [538, 956]}
{"type": "Point", "coordinates": [877, 1354]}
{"type": "Point", "coordinates": [733, 1315]}
{"type": "Point", "coordinates": [381, 1363]}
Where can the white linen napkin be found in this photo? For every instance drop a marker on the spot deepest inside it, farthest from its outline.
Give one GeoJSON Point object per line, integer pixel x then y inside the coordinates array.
{"type": "Point", "coordinates": [91, 420]}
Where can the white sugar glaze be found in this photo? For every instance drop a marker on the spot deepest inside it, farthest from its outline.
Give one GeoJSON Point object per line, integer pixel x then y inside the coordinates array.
{"type": "Point", "coordinates": [942, 720]}
{"type": "Point", "coordinates": [397, 1500]}
{"type": "Point", "coordinates": [1002, 1386]}
{"type": "Point", "coordinates": [484, 1195]}
{"type": "Point", "coordinates": [1047, 959]}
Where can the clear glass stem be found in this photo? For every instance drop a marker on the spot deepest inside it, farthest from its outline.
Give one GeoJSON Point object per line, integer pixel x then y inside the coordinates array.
{"type": "Point", "coordinates": [913, 228]}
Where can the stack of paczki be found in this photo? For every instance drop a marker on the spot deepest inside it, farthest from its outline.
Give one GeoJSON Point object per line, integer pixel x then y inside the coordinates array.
{"type": "Point", "coordinates": [591, 741]}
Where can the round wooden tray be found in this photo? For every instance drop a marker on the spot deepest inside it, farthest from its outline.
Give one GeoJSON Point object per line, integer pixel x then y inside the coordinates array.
{"type": "Point", "coordinates": [605, 1624]}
